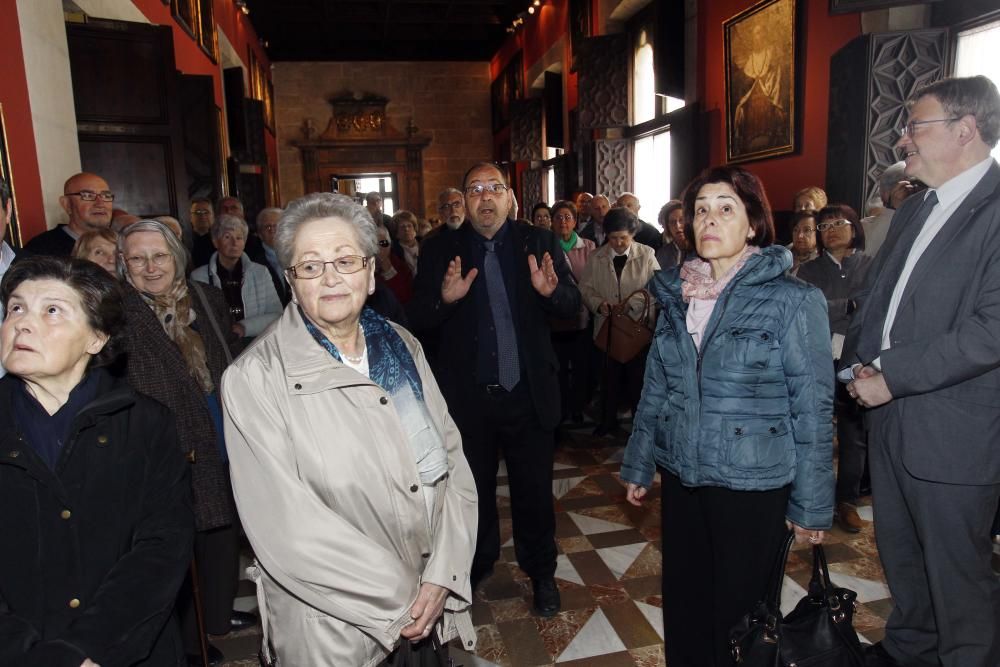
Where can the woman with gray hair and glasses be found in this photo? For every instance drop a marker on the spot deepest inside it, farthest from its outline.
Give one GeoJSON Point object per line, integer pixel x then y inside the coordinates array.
{"type": "Point", "coordinates": [347, 468]}
{"type": "Point", "coordinates": [247, 286]}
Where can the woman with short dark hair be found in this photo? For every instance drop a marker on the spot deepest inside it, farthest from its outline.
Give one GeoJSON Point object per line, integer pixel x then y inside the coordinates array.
{"type": "Point", "coordinates": [541, 215]}
{"type": "Point", "coordinates": [840, 271]}
{"type": "Point", "coordinates": [614, 271]}
{"type": "Point", "coordinates": [735, 413]}
{"type": "Point", "coordinates": [95, 502]}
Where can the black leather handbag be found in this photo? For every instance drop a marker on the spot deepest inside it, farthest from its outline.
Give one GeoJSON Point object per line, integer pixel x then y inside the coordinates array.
{"type": "Point", "coordinates": [817, 633]}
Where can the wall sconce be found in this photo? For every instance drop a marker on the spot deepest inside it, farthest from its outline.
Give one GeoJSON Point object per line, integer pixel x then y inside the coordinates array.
{"type": "Point", "coordinates": [242, 6]}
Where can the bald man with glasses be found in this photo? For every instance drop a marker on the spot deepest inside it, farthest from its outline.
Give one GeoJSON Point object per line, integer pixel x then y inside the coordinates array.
{"type": "Point", "coordinates": [88, 201]}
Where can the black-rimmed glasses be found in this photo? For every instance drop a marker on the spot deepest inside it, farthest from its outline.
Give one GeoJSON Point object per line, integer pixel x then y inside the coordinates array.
{"type": "Point", "coordinates": [90, 195]}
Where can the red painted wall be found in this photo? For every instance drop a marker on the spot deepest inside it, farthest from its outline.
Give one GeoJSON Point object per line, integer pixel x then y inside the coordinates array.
{"type": "Point", "coordinates": [20, 132]}
{"type": "Point", "coordinates": [822, 35]}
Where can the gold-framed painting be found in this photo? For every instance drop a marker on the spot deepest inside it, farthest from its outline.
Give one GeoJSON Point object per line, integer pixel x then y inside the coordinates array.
{"type": "Point", "coordinates": [762, 81]}
{"type": "Point", "coordinates": [13, 235]}
{"type": "Point", "coordinates": [197, 18]}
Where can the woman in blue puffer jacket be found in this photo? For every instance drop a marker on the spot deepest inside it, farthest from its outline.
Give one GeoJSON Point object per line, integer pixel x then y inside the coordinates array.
{"type": "Point", "coordinates": [736, 413]}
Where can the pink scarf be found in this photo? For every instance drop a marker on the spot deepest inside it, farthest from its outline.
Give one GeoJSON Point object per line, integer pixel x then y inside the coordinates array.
{"type": "Point", "coordinates": [698, 282]}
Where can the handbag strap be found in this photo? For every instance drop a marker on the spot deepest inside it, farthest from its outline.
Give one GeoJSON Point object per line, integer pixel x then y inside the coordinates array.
{"type": "Point", "coordinates": [777, 578]}
{"type": "Point", "coordinates": [623, 306]}
{"type": "Point", "coordinates": [820, 583]}
{"type": "Point", "coordinates": [212, 320]}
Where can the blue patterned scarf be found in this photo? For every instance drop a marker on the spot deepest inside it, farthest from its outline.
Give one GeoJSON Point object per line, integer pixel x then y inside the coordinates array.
{"type": "Point", "coordinates": [391, 366]}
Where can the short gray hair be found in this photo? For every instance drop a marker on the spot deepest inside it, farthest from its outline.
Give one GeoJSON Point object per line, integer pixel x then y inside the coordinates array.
{"type": "Point", "coordinates": [975, 96]}
{"type": "Point", "coordinates": [892, 175]}
{"type": "Point", "coordinates": [174, 245]}
{"type": "Point", "coordinates": [317, 206]}
{"type": "Point", "coordinates": [228, 223]}
{"type": "Point", "coordinates": [264, 212]}
{"type": "Point", "coordinates": [450, 191]}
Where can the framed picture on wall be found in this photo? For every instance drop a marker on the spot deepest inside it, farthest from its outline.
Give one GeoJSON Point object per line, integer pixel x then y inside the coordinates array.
{"type": "Point", "coordinates": [13, 235]}
{"type": "Point", "coordinates": [208, 38]}
{"type": "Point", "coordinates": [506, 88]}
{"type": "Point", "coordinates": [850, 6]}
{"type": "Point", "coordinates": [185, 12]}
{"type": "Point", "coordinates": [761, 81]}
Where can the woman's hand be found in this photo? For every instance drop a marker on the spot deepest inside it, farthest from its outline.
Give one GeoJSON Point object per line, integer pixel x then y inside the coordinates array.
{"type": "Point", "coordinates": [425, 612]}
{"type": "Point", "coordinates": [805, 535]}
{"type": "Point", "coordinates": [604, 309]}
{"type": "Point", "coordinates": [635, 494]}
{"type": "Point", "coordinates": [239, 329]}
{"type": "Point", "coordinates": [454, 286]}
{"type": "Point", "coordinates": [89, 663]}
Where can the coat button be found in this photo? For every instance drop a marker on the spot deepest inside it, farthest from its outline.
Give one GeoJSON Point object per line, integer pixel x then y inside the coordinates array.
{"type": "Point", "coordinates": [426, 555]}
{"type": "Point", "coordinates": [74, 603]}
{"type": "Point", "coordinates": [298, 386]}
{"type": "Point", "coordinates": [773, 430]}
{"type": "Point", "coordinates": [102, 439]}
{"type": "Point", "coordinates": [414, 488]}
{"type": "Point", "coordinates": [65, 514]}
{"type": "Point", "coordinates": [764, 337]}
{"type": "Point", "coordinates": [14, 454]}
{"type": "Point", "coordinates": [383, 400]}
{"type": "Point", "coordinates": [738, 431]}
{"type": "Point", "coordinates": [454, 578]}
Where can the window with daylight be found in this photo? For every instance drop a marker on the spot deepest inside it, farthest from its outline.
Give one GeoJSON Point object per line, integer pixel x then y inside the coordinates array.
{"type": "Point", "coordinates": [978, 52]}
{"type": "Point", "coordinates": [381, 183]}
{"type": "Point", "coordinates": [651, 174]}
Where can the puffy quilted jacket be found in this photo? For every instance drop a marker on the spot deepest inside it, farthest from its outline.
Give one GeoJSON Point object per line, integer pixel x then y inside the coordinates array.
{"type": "Point", "coordinates": [752, 410]}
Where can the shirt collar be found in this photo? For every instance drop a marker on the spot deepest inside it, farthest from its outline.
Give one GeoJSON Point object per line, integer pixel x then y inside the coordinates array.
{"type": "Point", "coordinates": [497, 239]}
{"type": "Point", "coordinates": [958, 187]}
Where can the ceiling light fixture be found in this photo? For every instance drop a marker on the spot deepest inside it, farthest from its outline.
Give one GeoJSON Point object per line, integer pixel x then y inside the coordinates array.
{"type": "Point", "coordinates": [242, 6]}
{"type": "Point", "coordinates": [537, 3]}
{"type": "Point", "coordinates": [531, 9]}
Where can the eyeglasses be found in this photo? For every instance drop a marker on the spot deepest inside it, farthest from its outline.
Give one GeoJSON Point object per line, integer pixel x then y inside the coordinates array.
{"type": "Point", "coordinates": [479, 189]}
{"type": "Point", "coordinates": [805, 231]}
{"type": "Point", "coordinates": [454, 205]}
{"type": "Point", "coordinates": [311, 269]}
{"type": "Point", "coordinates": [913, 124]}
{"type": "Point", "coordinates": [563, 217]}
{"type": "Point", "coordinates": [90, 195]}
{"type": "Point", "coordinates": [140, 262]}
{"type": "Point", "coordinates": [201, 211]}
{"type": "Point", "coordinates": [384, 243]}
{"type": "Point", "coordinates": [823, 226]}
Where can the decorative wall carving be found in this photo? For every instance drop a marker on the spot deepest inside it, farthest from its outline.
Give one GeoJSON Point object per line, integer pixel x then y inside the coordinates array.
{"type": "Point", "coordinates": [612, 167]}
{"type": "Point", "coordinates": [603, 65]}
{"type": "Point", "coordinates": [526, 139]}
{"type": "Point", "coordinates": [357, 116]}
{"type": "Point", "coordinates": [531, 192]}
{"type": "Point", "coordinates": [864, 121]}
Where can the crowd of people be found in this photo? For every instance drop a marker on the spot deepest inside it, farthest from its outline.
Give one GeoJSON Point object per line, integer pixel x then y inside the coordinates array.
{"type": "Point", "coordinates": [342, 384]}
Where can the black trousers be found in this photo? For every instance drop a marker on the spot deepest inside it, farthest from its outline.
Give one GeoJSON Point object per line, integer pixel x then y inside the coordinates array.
{"type": "Point", "coordinates": [852, 446]}
{"type": "Point", "coordinates": [622, 386]}
{"type": "Point", "coordinates": [425, 653]}
{"type": "Point", "coordinates": [217, 553]}
{"type": "Point", "coordinates": [508, 423]}
{"type": "Point", "coordinates": [718, 549]}
{"type": "Point", "coordinates": [573, 349]}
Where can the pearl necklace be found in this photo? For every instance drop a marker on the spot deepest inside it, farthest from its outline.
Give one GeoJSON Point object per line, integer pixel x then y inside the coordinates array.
{"type": "Point", "coordinates": [356, 360]}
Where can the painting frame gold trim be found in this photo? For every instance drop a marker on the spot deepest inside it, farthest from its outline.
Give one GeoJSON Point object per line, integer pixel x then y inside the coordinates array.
{"type": "Point", "coordinates": [762, 80]}
{"type": "Point", "coordinates": [13, 235]}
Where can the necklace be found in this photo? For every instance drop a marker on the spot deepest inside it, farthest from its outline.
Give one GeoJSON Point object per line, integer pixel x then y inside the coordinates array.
{"type": "Point", "coordinates": [356, 360]}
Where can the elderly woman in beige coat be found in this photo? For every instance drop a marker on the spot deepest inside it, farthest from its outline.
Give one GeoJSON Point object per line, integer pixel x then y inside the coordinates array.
{"type": "Point", "coordinates": [617, 269]}
{"type": "Point", "coordinates": [347, 469]}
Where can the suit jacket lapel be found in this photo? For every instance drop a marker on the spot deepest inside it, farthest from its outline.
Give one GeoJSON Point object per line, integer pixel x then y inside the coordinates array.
{"type": "Point", "coordinates": [988, 186]}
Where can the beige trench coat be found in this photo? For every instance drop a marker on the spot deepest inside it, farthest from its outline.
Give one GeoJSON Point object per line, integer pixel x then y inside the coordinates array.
{"type": "Point", "coordinates": [330, 499]}
{"type": "Point", "coordinates": [599, 282]}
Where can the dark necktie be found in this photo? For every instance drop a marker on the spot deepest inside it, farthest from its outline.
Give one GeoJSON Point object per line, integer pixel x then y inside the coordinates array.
{"type": "Point", "coordinates": [870, 343]}
{"type": "Point", "coordinates": [508, 363]}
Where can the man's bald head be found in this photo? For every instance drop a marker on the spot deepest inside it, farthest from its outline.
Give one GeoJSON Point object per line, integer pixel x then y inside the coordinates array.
{"type": "Point", "coordinates": [84, 215]}
{"type": "Point", "coordinates": [599, 207]}
{"type": "Point", "coordinates": [629, 201]}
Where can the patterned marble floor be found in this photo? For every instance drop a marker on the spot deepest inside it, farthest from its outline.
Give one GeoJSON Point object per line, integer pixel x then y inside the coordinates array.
{"type": "Point", "coordinates": [608, 574]}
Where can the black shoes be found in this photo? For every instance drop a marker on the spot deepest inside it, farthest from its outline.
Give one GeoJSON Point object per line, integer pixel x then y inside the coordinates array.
{"type": "Point", "coordinates": [241, 620]}
{"type": "Point", "coordinates": [877, 656]}
{"type": "Point", "coordinates": [547, 601]}
{"type": "Point", "coordinates": [215, 658]}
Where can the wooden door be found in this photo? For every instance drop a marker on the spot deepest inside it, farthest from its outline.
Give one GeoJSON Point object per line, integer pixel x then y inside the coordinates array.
{"type": "Point", "coordinates": [128, 122]}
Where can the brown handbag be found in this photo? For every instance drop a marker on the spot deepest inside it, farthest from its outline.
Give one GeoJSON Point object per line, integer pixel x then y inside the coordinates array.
{"type": "Point", "coordinates": [621, 337]}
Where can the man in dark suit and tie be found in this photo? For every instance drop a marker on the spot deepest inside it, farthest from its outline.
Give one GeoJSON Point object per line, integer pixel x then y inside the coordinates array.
{"type": "Point", "coordinates": [488, 289]}
{"type": "Point", "coordinates": [923, 353]}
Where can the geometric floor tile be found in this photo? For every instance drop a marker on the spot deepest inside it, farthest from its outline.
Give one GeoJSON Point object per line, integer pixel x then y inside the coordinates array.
{"type": "Point", "coordinates": [589, 525]}
{"type": "Point", "coordinates": [653, 614]}
{"type": "Point", "coordinates": [597, 637]}
{"type": "Point", "coordinates": [866, 589]}
{"type": "Point", "coordinates": [566, 571]}
{"type": "Point", "coordinates": [619, 559]}
{"type": "Point", "coordinates": [560, 487]}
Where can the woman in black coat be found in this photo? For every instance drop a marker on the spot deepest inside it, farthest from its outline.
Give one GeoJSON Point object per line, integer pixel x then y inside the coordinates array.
{"type": "Point", "coordinates": [95, 499]}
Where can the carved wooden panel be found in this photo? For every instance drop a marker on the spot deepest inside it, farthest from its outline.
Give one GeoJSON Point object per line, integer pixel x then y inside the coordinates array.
{"type": "Point", "coordinates": [603, 65]}
{"type": "Point", "coordinates": [526, 139]}
{"type": "Point", "coordinates": [870, 80]}
{"type": "Point", "coordinates": [612, 167]}
{"type": "Point", "coordinates": [531, 192]}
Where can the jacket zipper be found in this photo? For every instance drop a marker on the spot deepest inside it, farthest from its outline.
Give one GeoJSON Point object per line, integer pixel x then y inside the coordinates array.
{"type": "Point", "coordinates": [701, 353]}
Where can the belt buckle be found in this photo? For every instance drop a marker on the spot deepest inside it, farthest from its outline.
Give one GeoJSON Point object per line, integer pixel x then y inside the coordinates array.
{"type": "Point", "coordinates": [495, 389]}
